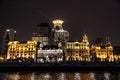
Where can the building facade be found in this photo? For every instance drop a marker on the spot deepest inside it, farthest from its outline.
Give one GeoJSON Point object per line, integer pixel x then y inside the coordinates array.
{"type": "Point", "coordinates": [78, 51]}
{"type": "Point", "coordinates": [102, 52]}
{"type": "Point", "coordinates": [59, 34]}
{"type": "Point", "coordinates": [42, 34]}
{"type": "Point", "coordinates": [50, 53]}
{"type": "Point", "coordinates": [17, 50]}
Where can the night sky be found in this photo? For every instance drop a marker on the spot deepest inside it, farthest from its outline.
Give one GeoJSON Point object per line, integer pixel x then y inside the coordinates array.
{"type": "Point", "coordinates": [96, 18]}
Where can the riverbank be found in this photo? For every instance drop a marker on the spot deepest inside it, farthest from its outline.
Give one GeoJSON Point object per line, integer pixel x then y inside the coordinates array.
{"type": "Point", "coordinates": [59, 66]}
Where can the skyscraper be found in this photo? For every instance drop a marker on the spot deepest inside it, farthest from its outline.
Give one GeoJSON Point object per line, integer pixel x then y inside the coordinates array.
{"type": "Point", "coordinates": [9, 35]}
{"type": "Point", "coordinates": [1, 37]}
{"type": "Point", "coordinates": [59, 34]}
{"type": "Point", "coordinates": [42, 34]}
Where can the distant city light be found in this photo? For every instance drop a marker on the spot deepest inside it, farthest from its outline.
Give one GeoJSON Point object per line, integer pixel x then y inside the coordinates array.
{"type": "Point", "coordinates": [8, 30]}
{"type": "Point", "coordinates": [14, 31]}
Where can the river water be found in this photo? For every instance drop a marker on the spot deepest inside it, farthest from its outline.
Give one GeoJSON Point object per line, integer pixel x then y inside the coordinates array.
{"type": "Point", "coordinates": [60, 76]}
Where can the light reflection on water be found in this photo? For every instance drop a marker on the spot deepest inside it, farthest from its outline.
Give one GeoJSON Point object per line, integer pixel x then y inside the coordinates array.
{"type": "Point", "coordinates": [60, 76]}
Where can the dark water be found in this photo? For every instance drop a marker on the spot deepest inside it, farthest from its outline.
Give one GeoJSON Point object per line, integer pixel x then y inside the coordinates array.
{"type": "Point", "coordinates": [60, 76]}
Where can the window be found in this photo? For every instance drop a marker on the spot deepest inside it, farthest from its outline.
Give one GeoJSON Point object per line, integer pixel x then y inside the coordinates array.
{"type": "Point", "coordinates": [76, 44]}
{"type": "Point", "coordinates": [76, 51]}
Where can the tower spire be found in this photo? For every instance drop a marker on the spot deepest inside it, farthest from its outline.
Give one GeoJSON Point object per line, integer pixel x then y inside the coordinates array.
{"type": "Point", "coordinates": [108, 41]}
{"type": "Point", "coordinates": [85, 39]}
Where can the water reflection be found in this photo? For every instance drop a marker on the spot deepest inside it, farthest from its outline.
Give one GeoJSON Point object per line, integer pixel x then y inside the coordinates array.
{"type": "Point", "coordinates": [61, 76]}
{"type": "Point", "coordinates": [33, 76]}
{"type": "Point", "coordinates": [77, 76]}
{"type": "Point", "coordinates": [107, 76]}
{"type": "Point", "coordinates": [92, 76]}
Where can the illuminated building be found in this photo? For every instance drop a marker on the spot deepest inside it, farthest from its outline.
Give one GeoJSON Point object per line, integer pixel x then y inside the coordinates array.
{"type": "Point", "coordinates": [49, 53]}
{"type": "Point", "coordinates": [116, 51]}
{"type": "Point", "coordinates": [11, 32]}
{"type": "Point", "coordinates": [2, 58]}
{"type": "Point", "coordinates": [9, 35]}
{"type": "Point", "coordinates": [42, 34]}
{"type": "Point", "coordinates": [18, 50]}
{"type": "Point", "coordinates": [59, 34]}
{"type": "Point", "coordinates": [103, 52]}
{"type": "Point", "coordinates": [78, 51]}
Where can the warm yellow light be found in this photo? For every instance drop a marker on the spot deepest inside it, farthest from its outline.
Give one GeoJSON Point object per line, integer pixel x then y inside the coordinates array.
{"type": "Point", "coordinates": [58, 22]}
{"type": "Point", "coordinates": [22, 48]}
{"type": "Point", "coordinates": [1, 58]}
{"type": "Point", "coordinates": [15, 42]}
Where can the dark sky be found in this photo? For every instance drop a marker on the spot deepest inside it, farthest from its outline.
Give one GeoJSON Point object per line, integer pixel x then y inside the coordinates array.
{"type": "Point", "coordinates": [96, 18]}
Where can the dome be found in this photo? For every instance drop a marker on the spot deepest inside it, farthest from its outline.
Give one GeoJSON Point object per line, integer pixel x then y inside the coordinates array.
{"type": "Point", "coordinates": [58, 22]}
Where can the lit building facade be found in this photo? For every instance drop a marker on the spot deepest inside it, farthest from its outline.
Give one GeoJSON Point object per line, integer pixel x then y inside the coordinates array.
{"type": "Point", "coordinates": [49, 53]}
{"type": "Point", "coordinates": [78, 51]}
{"type": "Point", "coordinates": [116, 58]}
{"type": "Point", "coordinates": [42, 34]}
{"type": "Point", "coordinates": [18, 50]}
{"type": "Point", "coordinates": [116, 51]}
{"type": "Point", "coordinates": [59, 34]}
{"type": "Point", "coordinates": [103, 52]}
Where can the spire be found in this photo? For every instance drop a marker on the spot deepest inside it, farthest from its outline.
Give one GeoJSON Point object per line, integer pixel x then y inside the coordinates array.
{"type": "Point", "coordinates": [85, 38]}
{"type": "Point", "coordinates": [108, 41]}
